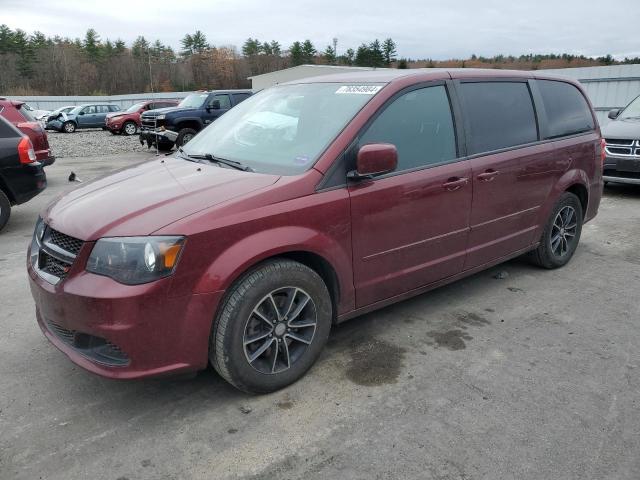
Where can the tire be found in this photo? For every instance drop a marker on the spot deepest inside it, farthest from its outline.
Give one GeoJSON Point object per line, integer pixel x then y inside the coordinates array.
{"type": "Point", "coordinates": [5, 210]}
{"type": "Point", "coordinates": [68, 127]}
{"type": "Point", "coordinates": [184, 136]}
{"type": "Point", "coordinates": [249, 311]}
{"type": "Point", "coordinates": [129, 128]}
{"type": "Point", "coordinates": [561, 234]}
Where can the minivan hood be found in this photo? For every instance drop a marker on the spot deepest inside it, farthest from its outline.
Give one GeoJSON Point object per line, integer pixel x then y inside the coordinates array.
{"type": "Point", "coordinates": [141, 199]}
{"type": "Point", "coordinates": [158, 111]}
{"type": "Point", "coordinates": [622, 129]}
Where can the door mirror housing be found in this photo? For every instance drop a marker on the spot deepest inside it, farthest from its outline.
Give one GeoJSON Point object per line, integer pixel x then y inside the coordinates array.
{"type": "Point", "coordinates": [81, 113]}
{"type": "Point", "coordinates": [214, 105]}
{"type": "Point", "coordinates": [375, 159]}
{"type": "Point", "coordinates": [614, 112]}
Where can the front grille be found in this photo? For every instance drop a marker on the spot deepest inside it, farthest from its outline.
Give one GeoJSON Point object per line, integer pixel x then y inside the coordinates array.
{"type": "Point", "coordinates": [95, 348]}
{"type": "Point", "coordinates": [65, 242]}
{"type": "Point", "coordinates": [151, 123]}
{"type": "Point", "coordinates": [54, 266]}
{"type": "Point", "coordinates": [57, 254]}
{"type": "Point", "coordinates": [622, 147]}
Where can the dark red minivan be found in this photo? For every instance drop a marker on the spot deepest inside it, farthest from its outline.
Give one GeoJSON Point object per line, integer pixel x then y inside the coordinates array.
{"type": "Point", "coordinates": [306, 205]}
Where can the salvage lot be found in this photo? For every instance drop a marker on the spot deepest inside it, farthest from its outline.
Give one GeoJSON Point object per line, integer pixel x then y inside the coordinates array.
{"type": "Point", "coordinates": [531, 376]}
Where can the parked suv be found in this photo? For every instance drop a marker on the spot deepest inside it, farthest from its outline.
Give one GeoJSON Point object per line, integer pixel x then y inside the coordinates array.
{"type": "Point", "coordinates": [167, 127]}
{"type": "Point", "coordinates": [19, 116]}
{"type": "Point", "coordinates": [83, 116]}
{"type": "Point", "coordinates": [128, 121]}
{"type": "Point", "coordinates": [622, 137]}
{"type": "Point", "coordinates": [21, 175]}
{"type": "Point", "coordinates": [308, 204]}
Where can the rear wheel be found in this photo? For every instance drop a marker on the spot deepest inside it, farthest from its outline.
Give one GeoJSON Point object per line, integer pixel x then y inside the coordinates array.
{"type": "Point", "coordinates": [129, 128]}
{"type": "Point", "coordinates": [5, 210]}
{"type": "Point", "coordinates": [68, 127]}
{"type": "Point", "coordinates": [272, 327]}
{"type": "Point", "coordinates": [561, 234]}
{"type": "Point", "coordinates": [184, 136]}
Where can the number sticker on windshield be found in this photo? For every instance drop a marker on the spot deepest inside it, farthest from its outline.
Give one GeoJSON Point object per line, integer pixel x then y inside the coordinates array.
{"type": "Point", "coordinates": [359, 89]}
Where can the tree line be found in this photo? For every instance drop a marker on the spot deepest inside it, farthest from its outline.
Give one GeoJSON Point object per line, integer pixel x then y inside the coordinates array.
{"type": "Point", "coordinates": [35, 64]}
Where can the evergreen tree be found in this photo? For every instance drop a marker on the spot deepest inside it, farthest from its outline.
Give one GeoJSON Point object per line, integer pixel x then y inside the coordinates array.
{"type": "Point", "coordinates": [199, 42]}
{"type": "Point", "coordinates": [275, 48]}
{"type": "Point", "coordinates": [252, 46]}
{"type": "Point", "coordinates": [140, 47]}
{"type": "Point", "coordinates": [308, 52]}
{"type": "Point", "coordinates": [329, 55]}
{"type": "Point", "coordinates": [187, 45]}
{"type": "Point", "coordinates": [389, 51]}
{"type": "Point", "coordinates": [91, 45]}
{"type": "Point", "coordinates": [363, 56]}
{"type": "Point", "coordinates": [297, 56]}
{"type": "Point", "coordinates": [376, 55]}
{"type": "Point", "coordinates": [402, 63]}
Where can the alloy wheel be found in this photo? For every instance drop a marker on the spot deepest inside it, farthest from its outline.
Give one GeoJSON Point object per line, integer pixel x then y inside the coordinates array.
{"type": "Point", "coordinates": [563, 232]}
{"type": "Point", "coordinates": [279, 330]}
{"type": "Point", "coordinates": [130, 128]}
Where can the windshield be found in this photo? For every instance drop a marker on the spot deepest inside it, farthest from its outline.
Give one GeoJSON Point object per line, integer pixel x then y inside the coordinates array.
{"type": "Point", "coordinates": [632, 110]}
{"type": "Point", "coordinates": [285, 129]}
{"type": "Point", "coordinates": [135, 108]}
{"type": "Point", "coordinates": [76, 110]}
{"type": "Point", "coordinates": [27, 112]}
{"type": "Point", "coordinates": [194, 100]}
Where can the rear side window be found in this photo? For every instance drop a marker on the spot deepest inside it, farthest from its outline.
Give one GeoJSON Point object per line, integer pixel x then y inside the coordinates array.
{"type": "Point", "coordinates": [239, 97]}
{"type": "Point", "coordinates": [420, 125]}
{"type": "Point", "coordinates": [567, 110]}
{"type": "Point", "coordinates": [498, 115]}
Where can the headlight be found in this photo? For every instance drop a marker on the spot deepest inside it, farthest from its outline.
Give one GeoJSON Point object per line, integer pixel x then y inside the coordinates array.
{"type": "Point", "coordinates": [161, 117]}
{"type": "Point", "coordinates": [135, 260]}
{"type": "Point", "coordinates": [36, 241]}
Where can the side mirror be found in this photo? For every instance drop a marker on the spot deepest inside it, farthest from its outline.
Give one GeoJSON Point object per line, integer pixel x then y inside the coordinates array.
{"type": "Point", "coordinates": [214, 105]}
{"type": "Point", "coordinates": [81, 113]}
{"type": "Point", "coordinates": [375, 159]}
{"type": "Point", "coordinates": [613, 113]}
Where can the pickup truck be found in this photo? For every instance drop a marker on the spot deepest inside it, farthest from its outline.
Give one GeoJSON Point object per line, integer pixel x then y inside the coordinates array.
{"type": "Point", "coordinates": [166, 127]}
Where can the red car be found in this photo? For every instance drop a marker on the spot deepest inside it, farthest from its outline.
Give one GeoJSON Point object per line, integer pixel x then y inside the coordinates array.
{"type": "Point", "coordinates": [128, 121]}
{"type": "Point", "coordinates": [12, 110]}
{"type": "Point", "coordinates": [308, 204]}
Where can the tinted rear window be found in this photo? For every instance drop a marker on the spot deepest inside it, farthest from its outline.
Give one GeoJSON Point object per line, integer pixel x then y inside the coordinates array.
{"type": "Point", "coordinates": [239, 97]}
{"type": "Point", "coordinates": [498, 115]}
{"type": "Point", "coordinates": [567, 110]}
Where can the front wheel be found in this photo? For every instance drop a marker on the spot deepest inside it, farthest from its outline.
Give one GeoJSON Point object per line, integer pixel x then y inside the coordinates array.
{"type": "Point", "coordinates": [69, 127]}
{"type": "Point", "coordinates": [5, 210]}
{"type": "Point", "coordinates": [129, 128]}
{"type": "Point", "coordinates": [271, 327]}
{"type": "Point", "coordinates": [184, 136]}
{"type": "Point", "coordinates": [561, 233]}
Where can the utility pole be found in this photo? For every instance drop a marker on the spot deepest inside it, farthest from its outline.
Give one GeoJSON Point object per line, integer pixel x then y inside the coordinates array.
{"type": "Point", "coordinates": [335, 46]}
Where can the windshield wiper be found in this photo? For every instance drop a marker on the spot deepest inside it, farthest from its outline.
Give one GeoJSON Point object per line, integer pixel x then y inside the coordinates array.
{"type": "Point", "coordinates": [213, 159]}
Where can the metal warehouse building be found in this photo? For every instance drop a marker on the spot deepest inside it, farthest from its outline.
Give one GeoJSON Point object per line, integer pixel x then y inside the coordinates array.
{"type": "Point", "coordinates": [608, 87]}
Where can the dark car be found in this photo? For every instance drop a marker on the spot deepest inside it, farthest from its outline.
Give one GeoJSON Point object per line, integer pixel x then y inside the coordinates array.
{"type": "Point", "coordinates": [21, 175]}
{"type": "Point", "coordinates": [83, 116]}
{"type": "Point", "coordinates": [128, 121]}
{"type": "Point", "coordinates": [308, 204]}
{"type": "Point", "coordinates": [622, 137]}
{"type": "Point", "coordinates": [14, 112]}
{"type": "Point", "coordinates": [167, 127]}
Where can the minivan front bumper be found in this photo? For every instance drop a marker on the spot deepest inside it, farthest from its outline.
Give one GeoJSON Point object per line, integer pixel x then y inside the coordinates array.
{"type": "Point", "coordinates": [621, 169]}
{"type": "Point", "coordinates": [121, 331]}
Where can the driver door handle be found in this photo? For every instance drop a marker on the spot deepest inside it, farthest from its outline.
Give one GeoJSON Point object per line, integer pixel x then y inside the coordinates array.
{"type": "Point", "coordinates": [488, 175]}
{"type": "Point", "coordinates": [455, 183]}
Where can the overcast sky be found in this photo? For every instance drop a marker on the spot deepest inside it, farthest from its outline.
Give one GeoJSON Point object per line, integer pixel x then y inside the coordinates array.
{"type": "Point", "coordinates": [421, 28]}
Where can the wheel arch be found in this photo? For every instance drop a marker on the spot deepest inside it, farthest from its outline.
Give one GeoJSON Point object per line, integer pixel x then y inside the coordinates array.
{"type": "Point", "coordinates": [313, 249]}
{"type": "Point", "coordinates": [582, 192]}
{"type": "Point", "coordinates": [194, 123]}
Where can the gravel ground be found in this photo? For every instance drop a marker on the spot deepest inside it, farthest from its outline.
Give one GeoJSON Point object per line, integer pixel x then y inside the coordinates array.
{"type": "Point", "coordinates": [91, 143]}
